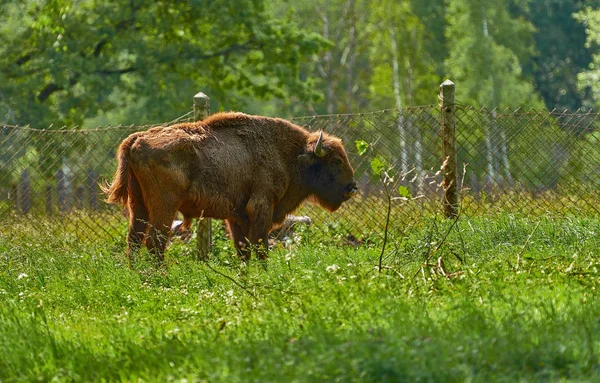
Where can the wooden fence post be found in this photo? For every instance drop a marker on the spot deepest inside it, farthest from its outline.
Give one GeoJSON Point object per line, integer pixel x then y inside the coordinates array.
{"type": "Point", "coordinates": [49, 199]}
{"type": "Point", "coordinates": [448, 125]}
{"type": "Point", "coordinates": [204, 228]}
{"type": "Point", "coordinates": [91, 180]}
{"type": "Point", "coordinates": [62, 190]}
{"type": "Point", "coordinates": [24, 192]}
{"type": "Point", "coordinates": [80, 197]}
{"type": "Point", "coordinates": [14, 195]}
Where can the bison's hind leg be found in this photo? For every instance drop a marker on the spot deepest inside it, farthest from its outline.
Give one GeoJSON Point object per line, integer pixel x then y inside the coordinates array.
{"type": "Point", "coordinates": [138, 224]}
{"type": "Point", "coordinates": [161, 219]}
{"type": "Point", "coordinates": [138, 220]}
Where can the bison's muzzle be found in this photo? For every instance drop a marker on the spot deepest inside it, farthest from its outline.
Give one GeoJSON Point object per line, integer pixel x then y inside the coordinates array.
{"type": "Point", "coordinates": [350, 191]}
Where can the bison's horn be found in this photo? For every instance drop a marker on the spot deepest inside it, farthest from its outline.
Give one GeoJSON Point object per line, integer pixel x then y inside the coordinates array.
{"type": "Point", "coordinates": [319, 151]}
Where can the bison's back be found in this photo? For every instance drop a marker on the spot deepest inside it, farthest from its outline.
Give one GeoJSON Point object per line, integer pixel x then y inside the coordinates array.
{"type": "Point", "coordinates": [206, 171]}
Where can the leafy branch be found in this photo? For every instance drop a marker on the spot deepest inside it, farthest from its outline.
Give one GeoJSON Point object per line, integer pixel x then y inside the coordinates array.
{"type": "Point", "coordinates": [382, 170]}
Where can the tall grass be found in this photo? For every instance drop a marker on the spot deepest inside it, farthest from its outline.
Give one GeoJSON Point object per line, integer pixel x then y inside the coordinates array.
{"type": "Point", "coordinates": [507, 298]}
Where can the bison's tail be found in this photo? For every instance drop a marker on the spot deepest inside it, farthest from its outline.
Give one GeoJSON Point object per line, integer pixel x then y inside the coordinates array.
{"type": "Point", "coordinates": [118, 191]}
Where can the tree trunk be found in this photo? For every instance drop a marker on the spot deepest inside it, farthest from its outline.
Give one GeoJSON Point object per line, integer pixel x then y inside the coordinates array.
{"type": "Point", "coordinates": [491, 170]}
{"type": "Point", "coordinates": [504, 157]}
{"type": "Point", "coordinates": [491, 131]}
{"type": "Point", "coordinates": [350, 68]}
{"type": "Point", "coordinates": [400, 125]}
{"type": "Point", "coordinates": [330, 91]}
{"type": "Point", "coordinates": [414, 131]}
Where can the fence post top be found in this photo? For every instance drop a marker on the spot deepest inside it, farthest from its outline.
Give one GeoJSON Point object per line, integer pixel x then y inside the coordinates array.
{"type": "Point", "coordinates": [447, 83]}
{"type": "Point", "coordinates": [200, 97]}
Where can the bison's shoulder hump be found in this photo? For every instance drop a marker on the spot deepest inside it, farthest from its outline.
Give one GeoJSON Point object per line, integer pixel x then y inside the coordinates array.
{"type": "Point", "coordinates": [228, 120]}
{"type": "Point", "coordinates": [238, 120]}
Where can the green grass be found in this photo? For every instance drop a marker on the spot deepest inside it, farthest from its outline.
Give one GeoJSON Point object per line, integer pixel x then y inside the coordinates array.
{"type": "Point", "coordinates": [489, 299]}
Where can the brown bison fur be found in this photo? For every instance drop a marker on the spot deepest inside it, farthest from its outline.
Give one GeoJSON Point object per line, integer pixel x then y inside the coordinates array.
{"type": "Point", "coordinates": [248, 170]}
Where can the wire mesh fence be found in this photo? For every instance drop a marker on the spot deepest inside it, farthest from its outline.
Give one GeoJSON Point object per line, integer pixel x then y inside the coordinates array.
{"type": "Point", "coordinates": [403, 144]}
{"type": "Point", "coordinates": [51, 177]}
{"type": "Point", "coordinates": [516, 161]}
{"type": "Point", "coordinates": [529, 161]}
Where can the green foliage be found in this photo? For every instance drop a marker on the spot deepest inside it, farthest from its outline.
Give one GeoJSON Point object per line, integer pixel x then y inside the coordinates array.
{"type": "Point", "coordinates": [403, 36]}
{"type": "Point", "coordinates": [560, 53]}
{"type": "Point", "coordinates": [403, 191]}
{"type": "Point", "coordinates": [361, 147]}
{"type": "Point", "coordinates": [588, 79]}
{"type": "Point", "coordinates": [378, 166]}
{"type": "Point", "coordinates": [66, 62]}
{"type": "Point", "coordinates": [512, 299]}
{"type": "Point", "coordinates": [378, 163]}
{"type": "Point", "coordinates": [490, 47]}
{"type": "Point", "coordinates": [96, 62]}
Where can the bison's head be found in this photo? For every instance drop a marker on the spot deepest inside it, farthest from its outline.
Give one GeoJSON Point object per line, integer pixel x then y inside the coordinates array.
{"type": "Point", "coordinates": [328, 172]}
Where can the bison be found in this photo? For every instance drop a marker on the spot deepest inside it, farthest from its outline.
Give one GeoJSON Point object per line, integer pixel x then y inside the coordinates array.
{"type": "Point", "coordinates": [250, 171]}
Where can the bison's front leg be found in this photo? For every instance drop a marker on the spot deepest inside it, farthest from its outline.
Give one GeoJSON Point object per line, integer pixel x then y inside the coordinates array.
{"type": "Point", "coordinates": [260, 215]}
{"type": "Point", "coordinates": [240, 239]}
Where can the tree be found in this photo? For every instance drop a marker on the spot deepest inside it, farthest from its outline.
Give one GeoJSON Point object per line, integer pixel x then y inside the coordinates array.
{"type": "Point", "coordinates": [404, 73]}
{"type": "Point", "coordinates": [561, 54]}
{"type": "Point", "coordinates": [489, 46]}
{"type": "Point", "coordinates": [342, 71]}
{"type": "Point", "coordinates": [400, 50]}
{"type": "Point", "coordinates": [488, 49]}
{"type": "Point", "coordinates": [64, 62]}
{"type": "Point", "coordinates": [589, 79]}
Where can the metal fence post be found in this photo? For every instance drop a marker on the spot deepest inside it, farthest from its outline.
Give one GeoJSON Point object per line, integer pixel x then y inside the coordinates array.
{"type": "Point", "coordinates": [448, 126]}
{"type": "Point", "coordinates": [204, 228]}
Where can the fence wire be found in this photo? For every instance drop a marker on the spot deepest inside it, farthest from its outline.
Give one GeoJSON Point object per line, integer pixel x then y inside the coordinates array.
{"type": "Point", "coordinates": [529, 161]}
{"type": "Point", "coordinates": [515, 161]}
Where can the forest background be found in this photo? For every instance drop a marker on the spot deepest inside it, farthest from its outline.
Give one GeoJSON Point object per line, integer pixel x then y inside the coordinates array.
{"type": "Point", "coordinates": [95, 62]}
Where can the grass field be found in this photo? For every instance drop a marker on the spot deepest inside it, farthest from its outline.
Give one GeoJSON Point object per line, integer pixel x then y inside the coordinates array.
{"type": "Point", "coordinates": [488, 299]}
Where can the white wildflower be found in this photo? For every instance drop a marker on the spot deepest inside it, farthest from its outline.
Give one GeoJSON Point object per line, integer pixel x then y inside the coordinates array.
{"type": "Point", "coordinates": [332, 268]}
{"type": "Point", "coordinates": [22, 275]}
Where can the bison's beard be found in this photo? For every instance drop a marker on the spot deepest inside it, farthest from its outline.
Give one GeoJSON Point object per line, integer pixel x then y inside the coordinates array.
{"type": "Point", "coordinates": [326, 204]}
